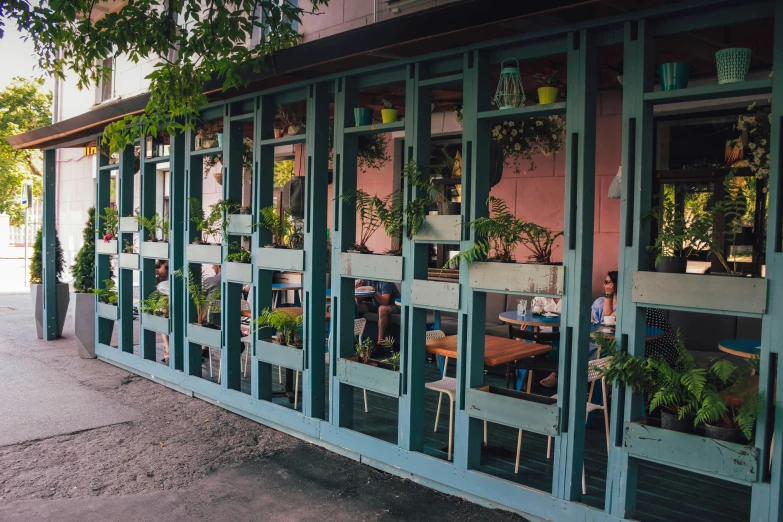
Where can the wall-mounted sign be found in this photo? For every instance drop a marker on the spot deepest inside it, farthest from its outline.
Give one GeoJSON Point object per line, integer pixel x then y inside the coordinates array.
{"type": "Point", "coordinates": [90, 151]}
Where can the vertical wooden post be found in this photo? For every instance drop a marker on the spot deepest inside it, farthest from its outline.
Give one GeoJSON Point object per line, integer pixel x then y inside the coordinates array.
{"type": "Point", "coordinates": [767, 492]}
{"type": "Point", "coordinates": [263, 181]}
{"type": "Point", "coordinates": [636, 199]}
{"type": "Point", "coordinates": [231, 293]}
{"type": "Point", "coordinates": [49, 255]}
{"type": "Point", "coordinates": [177, 241]}
{"type": "Point", "coordinates": [194, 181]}
{"type": "Point", "coordinates": [471, 327]}
{"type": "Point", "coordinates": [414, 320]}
{"type": "Point", "coordinates": [125, 176]}
{"type": "Point", "coordinates": [343, 236]}
{"type": "Point", "coordinates": [147, 338]}
{"type": "Point", "coordinates": [103, 327]}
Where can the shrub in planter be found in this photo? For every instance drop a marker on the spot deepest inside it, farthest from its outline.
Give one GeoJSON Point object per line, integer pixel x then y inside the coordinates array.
{"type": "Point", "coordinates": [203, 301]}
{"type": "Point", "coordinates": [83, 272]}
{"type": "Point", "coordinates": [287, 325]}
{"type": "Point", "coordinates": [286, 231]}
{"type": "Point", "coordinates": [154, 224]}
{"type": "Point", "coordinates": [36, 286]}
{"type": "Point", "coordinates": [211, 224]}
{"type": "Point", "coordinates": [374, 212]}
{"type": "Point", "coordinates": [156, 304]}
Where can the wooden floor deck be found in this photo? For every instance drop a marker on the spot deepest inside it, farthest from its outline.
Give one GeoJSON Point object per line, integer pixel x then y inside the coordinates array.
{"type": "Point", "coordinates": [665, 493]}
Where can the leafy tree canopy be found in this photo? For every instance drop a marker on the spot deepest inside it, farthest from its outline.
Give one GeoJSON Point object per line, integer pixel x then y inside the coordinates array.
{"type": "Point", "coordinates": [23, 107]}
{"type": "Point", "coordinates": [193, 41]}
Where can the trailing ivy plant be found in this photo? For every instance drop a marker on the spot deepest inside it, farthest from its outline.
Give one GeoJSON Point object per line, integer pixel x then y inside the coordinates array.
{"type": "Point", "coordinates": [83, 269]}
{"type": "Point", "coordinates": [36, 263]}
{"type": "Point", "coordinates": [107, 294]}
{"type": "Point", "coordinates": [287, 325]}
{"type": "Point", "coordinates": [156, 304]}
{"type": "Point", "coordinates": [202, 300]}
{"type": "Point", "coordinates": [286, 231]}
{"type": "Point", "coordinates": [237, 254]}
{"type": "Point", "coordinates": [154, 224]}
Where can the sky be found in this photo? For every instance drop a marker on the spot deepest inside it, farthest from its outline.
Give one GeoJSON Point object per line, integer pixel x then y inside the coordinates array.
{"type": "Point", "coordinates": [17, 58]}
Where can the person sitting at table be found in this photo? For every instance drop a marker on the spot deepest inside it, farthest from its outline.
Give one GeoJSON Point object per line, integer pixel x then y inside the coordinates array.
{"type": "Point", "coordinates": [383, 296]}
{"type": "Point", "coordinates": [161, 275]}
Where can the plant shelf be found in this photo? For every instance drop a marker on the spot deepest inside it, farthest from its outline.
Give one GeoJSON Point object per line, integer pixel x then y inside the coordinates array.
{"type": "Point", "coordinates": [528, 111]}
{"type": "Point", "coordinates": [438, 295]}
{"type": "Point", "coordinates": [440, 229]}
{"type": "Point", "coordinates": [281, 259]}
{"type": "Point", "coordinates": [374, 378]}
{"type": "Point", "coordinates": [154, 249]}
{"type": "Point", "coordinates": [524, 411]}
{"type": "Point", "coordinates": [155, 323]}
{"type": "Point", "coordinates": [371, 266]}
{"type": "Point", "coordinates": [710, 92]}
{"type": "Point", "coordinates": [206, 254]}
{"type": "Point", "coordinates": [107, 311]}
{"type": "Point", "coordinates": [129, 261]}
{"type": "Point", "coordinates": [285, 140]}
{"type": "Point", "coordinates": [129, 224]}
{"type": "Point", "coordinates": [202, 335]}
{"type": "Point", "coordinates": [376, 128]}
{"type": "Point", "coordinates": [239, 272]}
{"type": "Point", "coordinates": [523, 278]}
{"type": "Point", "coordinates": [240, 225]}
{"type": "Point", "coordinates": [106, 247]}
{"type": "Point", "coordinates": [280, 355]}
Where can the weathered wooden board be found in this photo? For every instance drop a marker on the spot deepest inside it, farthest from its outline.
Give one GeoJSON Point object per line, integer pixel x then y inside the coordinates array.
{"type": "Point", "coordinates": [521, 278]}
{"type": "Point", "coordinates": [206, 254]}
{"type": "Point", "coordinates": [239, 272]}
{"type": "Point", "coordinates": [280, 355]}
{"type": "Point", "coordinates": [283, 259]}
{"type": "Point", "coordinates": [437, 294]}
{"type": "Point", "coordinates": [371, 266]}
{"type": "Point", "coordinates": [106, 247]}
{"type": "Point", "coordinates": [240, 225]}
{"type": "Point", "coordinates": [202, 335]}
{"type": "Point", "coordinates": [107, 311]}
{"type": "Point", "coordinates": [691, 452]}
{"type": "Point", "coordinates": [130, 261]}
{"type": "Point", "coordinates": [359, 375]}
{"type": "Point", "coordinates": [129, 224]}
{"type": "Point", "coordinates": [515, 409]}
{"type": "Point", "coordinates": [155, 323]}
{"type": "Point", "coordinates": [440, 229]}
{"type": "Point", "coordinates": [702, 292]}
{"type": "Point", "coordinates": [154, 249]}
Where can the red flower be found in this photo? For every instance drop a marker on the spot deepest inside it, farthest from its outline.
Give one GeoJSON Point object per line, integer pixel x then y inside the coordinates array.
{"type": "Point", "coordinates": [106, 238]}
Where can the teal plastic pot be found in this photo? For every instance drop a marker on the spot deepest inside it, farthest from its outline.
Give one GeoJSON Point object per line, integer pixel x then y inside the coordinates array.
{"type": "Point", "coordinates": [674, 75]}
{"type": "Point", "coordinates": [220, 139]}
{"type": "Point", "coordinates": [363, 116]}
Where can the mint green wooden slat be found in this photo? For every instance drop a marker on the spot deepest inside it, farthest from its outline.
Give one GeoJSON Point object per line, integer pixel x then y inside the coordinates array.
{"type": "Point", "coordinates": [125, 184]}
{"type": "Point", "coordinates": [49, 254]}
{"type": "Point", "coordinates": [370, 266]}
{"type": "Point", "coordinates": [103, 327]}
{"type": "Point", "coordinates": [176, 252]}
{"type": "Point", "coordinates": [376, 128]}
{"type": "Point", "coordinates": [280, 355]}
{"type": "Point", "coordinates": [107, 311]}
{"type": "Point", "coordinates": [710, 92]}
{"type": "Point", "coordinates": [194, 180]}
{"type": "Point", "coordinates": [530, 111]}
{"type": "Point", "coordinates": [152, 324]}
{"type": "Point", "coordinates": [285, 140]}
{"type": "Point", "coordinates": [148, 183]}
{"type": "Point", "coordinates": [443, 81]}
{"type": "Point", "coordinates": [238, 272]}
{"type": "Point", "coordinates": [513, 409]}
{"type": "Point", "coordinates": [364, 376]}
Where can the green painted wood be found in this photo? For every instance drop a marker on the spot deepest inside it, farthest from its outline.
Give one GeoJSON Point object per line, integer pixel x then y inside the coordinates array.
{"type": "Point", "coordinates": [280, 259]}
{"type": "Point", "coordinates": [196, 153]}
{"type": "Point", "coordinates": [440, 229]}
{"type": "Point", "coordinates": [364, 376]}
{"type": "Point", "coordinates": [238, 272]}
{"type": "Point", "coordinates": [103, 327]}
{"type": "Point", "coordinates": [107, 311]}
{"type": "Point", "coordinates": [443, 81]}
{"type": "Point", "coordinates": [106, 247]}
{"type": "Point", "coordinates": [129, 261]}
{"type": "Point", "coordinates": [434, 294]}
{"type": "Point", "coordinates": [176, 252]}
{"type": "Point", "coordinates": [636, 200]}
{"type": "Point", "coordinates": [529, 111]}
{"type": "Point", "coordinates": [370, 266]}
{"type": "Point", "coordinates": [154, 323]}
{"type": "Point", "coordinates": [524, 278]}
{"type": "Point", "coordinates": [148, 277]}
{"type": "Point", "coordinates": [129, 224]}
{"type": "Point", "coordinates": [285, 140]}
{"type": "Point", "coordinates": [376, 128]}
{"type": "Point", "coordinates": [281, 355]}
{"type": "Point", "coordinates": [206, 254]}
{"type": "Point", "coordinates": [154, 249]}
{"type": "Point", "coordinates": [240, 224]}
{"type": "Point", "coordinates": [692, 452]}
{"type": "Point", "coordinates": [125, 208]}
{"type": "Point", "coordinates": [702, 293]}
{"type": "Point", "coordinates": [49, 232]}
{"type": "Point", "coordinates": [514, 409]}
{"type": "Point", "coordinates": [202, 335]}
{"type": "Point", "coordinates": [710, 92]}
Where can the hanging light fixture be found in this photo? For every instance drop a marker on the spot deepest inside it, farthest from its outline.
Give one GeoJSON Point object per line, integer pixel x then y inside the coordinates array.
{"type": "Point", "coordinates": [509, 93]}
{"type": "Point", "coordinates": [615, 188]}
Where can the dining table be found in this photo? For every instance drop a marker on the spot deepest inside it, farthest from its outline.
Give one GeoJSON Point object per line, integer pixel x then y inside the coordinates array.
{"type": "Point", "coordinates": [531, 320]}
{"type": "Point", "coordinates": [746, 348]}
{"type": "Point", "coordinates": [497, 350]}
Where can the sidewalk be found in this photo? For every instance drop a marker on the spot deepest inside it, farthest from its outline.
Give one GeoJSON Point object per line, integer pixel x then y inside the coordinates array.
{"type": "Point", "coordinates": [87, 441]}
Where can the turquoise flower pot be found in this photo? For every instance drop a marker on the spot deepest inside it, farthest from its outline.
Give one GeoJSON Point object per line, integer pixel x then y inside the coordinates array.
{"type": "Point", "coordinates": [220, 139]}
{"type": "Point", "coordinates": [363, 116]}
{"type": "Point", "coordinates": [674, 75]}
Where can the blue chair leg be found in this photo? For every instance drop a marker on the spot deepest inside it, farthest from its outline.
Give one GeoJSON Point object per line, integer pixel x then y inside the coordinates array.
{"type": "Point", "coordinates": [521, 374]}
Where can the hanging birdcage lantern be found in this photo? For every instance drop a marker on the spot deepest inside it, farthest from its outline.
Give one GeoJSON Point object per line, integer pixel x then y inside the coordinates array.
{"type": "Point", "coordinates": [509, 93]}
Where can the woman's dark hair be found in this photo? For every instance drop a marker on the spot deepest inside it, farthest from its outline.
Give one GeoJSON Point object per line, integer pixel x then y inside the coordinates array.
{"type": "Point", "coordinates": [613, 275]}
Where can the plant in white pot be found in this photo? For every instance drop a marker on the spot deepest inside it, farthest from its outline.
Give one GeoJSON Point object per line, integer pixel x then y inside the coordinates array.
{"type": "Point", "coordinates": [36, 287]}
{"type": "Point", "coordinates": [83, 272]}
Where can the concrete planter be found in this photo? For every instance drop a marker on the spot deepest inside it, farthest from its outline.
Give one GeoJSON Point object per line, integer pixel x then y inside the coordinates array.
{"type": "Point", "coordinates": [206, 254]}
{"type": "Point", "coordinates": [280, 355]}
{"type": "Point", "coordinates": [240, 225]}
{"type": "Point", "coordinates": [129, 261]}
{"type": "Point", "coordinates": [281, 259]}
{"type": "Point", "coordinates": [106, 247]}
{"type": "Point", "coordinates": [440, 229]}
{"type": "Point", "coordinates": [84, 324]}
{"type": "Point", "coordinates": [205, 336]}
{"type": "Point", "coordinates": [154, 249]}
{"type": "Point", "coordinates": [239, 272]}
{"type": "Point", "coordinates": [107, 311]}
{"type": "Point", "coordinates": [527, 278]}
{"type": "Point", "coordinates": [515, 409]}
{"type": "Point", "coordinates": [129, 224]}
{"type": "Point", "coordinates": [368, 377]}
{"type": "Point", "coordinates": [63, 297]}
{"type": "Point", "coordinates": [371, 266]}
{"type": "Point", "coordinates": [155, 323]}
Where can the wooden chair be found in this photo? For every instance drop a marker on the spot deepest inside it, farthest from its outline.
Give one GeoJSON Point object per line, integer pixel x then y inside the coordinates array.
{"type": "Point", "coordinates": [447, 385]}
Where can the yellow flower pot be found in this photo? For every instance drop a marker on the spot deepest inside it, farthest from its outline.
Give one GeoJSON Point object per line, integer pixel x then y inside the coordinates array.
{"type": "Point", "coordinates": [389, 115]}
{"type": "Point", "coordinates": [547, 95]}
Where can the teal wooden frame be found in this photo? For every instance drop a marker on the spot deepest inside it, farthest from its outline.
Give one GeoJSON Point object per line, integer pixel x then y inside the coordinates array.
{"type": "Point", "coordinates": [470, 66]}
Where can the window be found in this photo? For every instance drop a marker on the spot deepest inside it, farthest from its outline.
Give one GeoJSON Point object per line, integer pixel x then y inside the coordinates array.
{"type": "Point", "coordinates": [104, 91]}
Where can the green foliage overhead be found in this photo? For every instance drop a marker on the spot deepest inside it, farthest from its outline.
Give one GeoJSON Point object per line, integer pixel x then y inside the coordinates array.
{"type": "Point", "coordinates": [191, 42]}
{"type": "Point", "coordinates": [23, 107]}
{"type": "Point", "coordinates": [36, 263]}
{"type": "Point", "coordinates": [83, 268]}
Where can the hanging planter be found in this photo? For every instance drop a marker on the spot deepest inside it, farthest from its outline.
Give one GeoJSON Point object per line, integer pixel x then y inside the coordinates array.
{"type": "Point", "coordinates": [674, 75]}
{"type": "Point", "coordinates": [363, 116]}
{"type": "Point", "coordinates": [509, 93]}
{"type": "Point", "coordinates": [733, 64]}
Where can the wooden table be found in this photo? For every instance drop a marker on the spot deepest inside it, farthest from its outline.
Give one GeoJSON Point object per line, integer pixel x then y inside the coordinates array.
{"type": "Point", "coordinates": [497, 350]}
{"type": "Point", "coordinates": [746, 348]}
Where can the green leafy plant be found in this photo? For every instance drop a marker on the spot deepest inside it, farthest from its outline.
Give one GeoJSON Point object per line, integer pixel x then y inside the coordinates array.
{"type": "Point", "coordinates": [387, 104]}
{"type": "Point", "coordinates": [156, 304]}
{"type": "Point", "coordinates": [128, 247]}
{"type": "Point", "coordinates": [222, 211]}
{"type": "Point", "coordinates": [364, 349]}
{"type": "Point", "coordinates": [624, 368]}
{"type": "Point", "coordinates": [202, 300]}
{"type": "Point", "coordinates": [394, 359]}
{"type": "Point", "coordinates": [83, 269]}
{"type": "Point", "coordinates": [285, 230]}
{"type": "Point", "coordinates": [374, 212]}
{"type": "Point", "coordinates": [211, 223]}
{"type": "Point", "coordinates": [247, 155]}
{"type": "Point", "coordinates": [540, 241]}
{"type": "Point", "coordinates": [417, 208]}
{"type": "Point", "coordinates": [677, 388]}
{"type": "Point", "coordinates": [237, 254]}
{"type": "Point", "coordinates": [36, 263]}
{"type": "Point", "coordinates": [107, 294]}
{"type": "Point", "coordinates": [111, 222]}
{"type": "Point", "coordinates": [728, 399]}
{"type": "Point", "coordinates": [549, 78]}
{"type": "Point", "coordinates": [287, 325]}
{"type": "Point", "coordinates": [154, 224]}
{"type": "Point", "coordinates": [372, 153]}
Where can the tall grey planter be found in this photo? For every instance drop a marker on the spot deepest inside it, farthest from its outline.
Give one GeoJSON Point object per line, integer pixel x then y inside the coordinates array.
{"type": "Point", "coordinates": [63, 298]}
{"type": "Point", "coordinates": [84, 324]}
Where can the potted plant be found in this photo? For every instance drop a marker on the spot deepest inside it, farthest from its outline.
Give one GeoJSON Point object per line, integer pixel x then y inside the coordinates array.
{"type": "Point", "coordinates": [36, 287]}
{"type": "Point", "coordinates": [155, 244]}
{"type": "Point", "coordinates": [497, 236]}
{"type": "Point", "coordinates": [674, 75]}
{"type": "Point", "coordinates": [213, 160]}
{"type": "Point", "coordinates": [549, 81]}
{"type": "Point", "coordinates": [83, 271]}
{"type": "Point", "coordinates": [207, 136]}
{"type": "Point", "coordinates": [287, 325]}
{"type": "Point", "coordinates": [362, 371]}
{"type": "Point", "coordinates": [285, 250]}
{"type": "Point", "coordinates": [540, 241]}
{"type": "Point", "coordinates": [733, 64]}
{"type": "Point", "coordinates": [363, 116]}
{"type": "Point", "coordinates": [110, 220]}
{"type": "Point", "coordinates": [291, 120]}
{"type": "Point", "coordinates": [730, 402]}
{"type": "Point", "coordinates": [417, 209]}
{"type": "Point", "coordinates": [238, 263]}
{"type": "Point", "coordinates": [206, 247]}
{"type": "Point", "coordinates": [389, 112]}
{"type": "Point", "coordinates": [202, 330]}
{"type": "Point", "coordinates": [154, 312]}
{"type": "Point", "coordinates": [374, 212]}
{"type": "Point", "coordinates": [107, 300]}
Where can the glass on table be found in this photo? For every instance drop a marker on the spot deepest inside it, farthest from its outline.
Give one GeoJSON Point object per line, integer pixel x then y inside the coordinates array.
{"type": "Point", "coordinates": [521, 308]}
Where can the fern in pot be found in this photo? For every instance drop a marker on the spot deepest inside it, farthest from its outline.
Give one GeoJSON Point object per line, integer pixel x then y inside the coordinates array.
{"type": "Point", "coordinates": [287, 325]}
{"type": "Point", "coordinates": [730, 402]}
